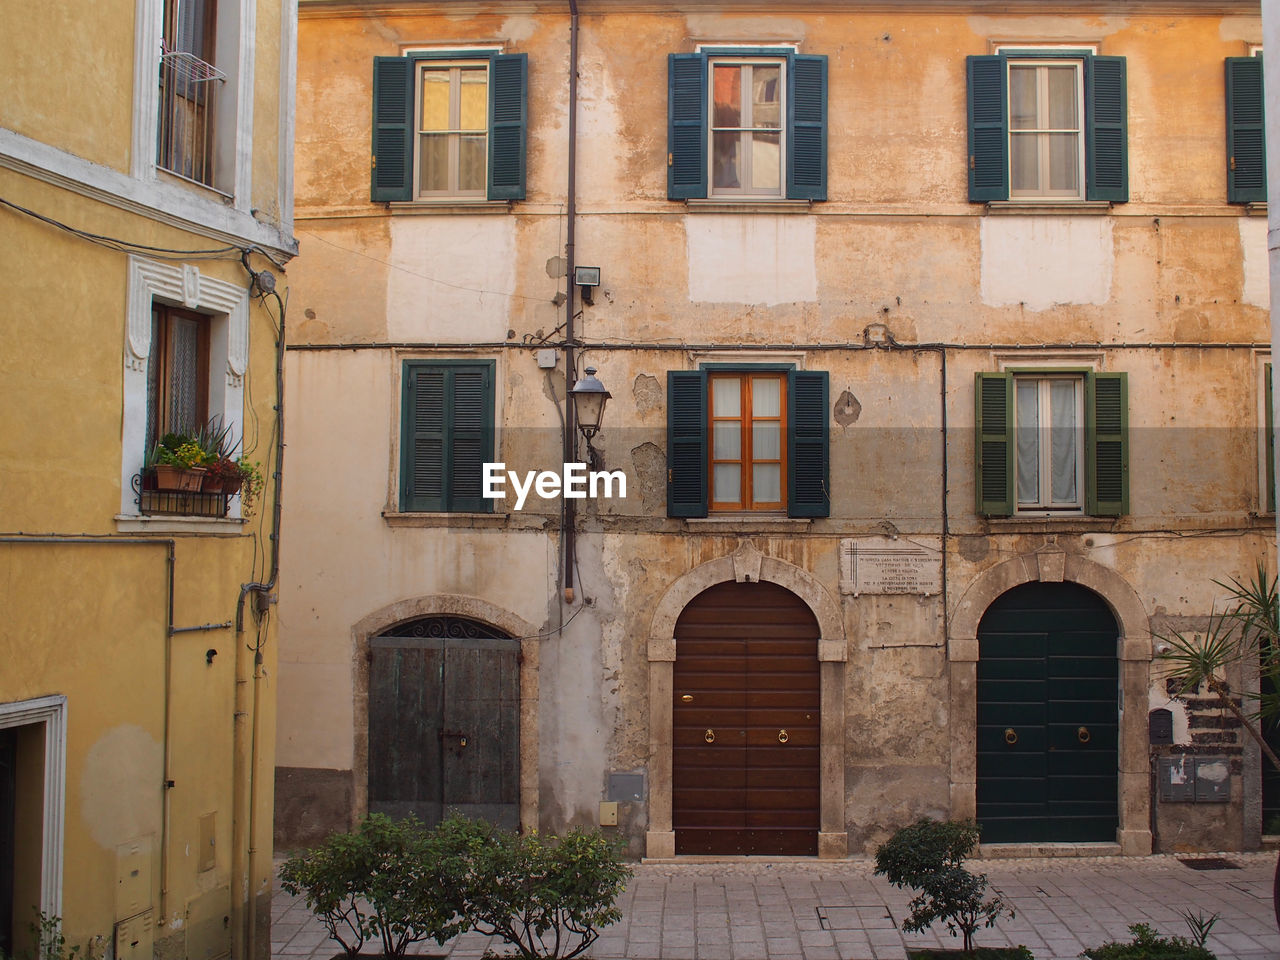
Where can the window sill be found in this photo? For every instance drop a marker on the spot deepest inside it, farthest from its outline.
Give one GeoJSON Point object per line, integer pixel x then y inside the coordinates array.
{"type": "Point", "coordinates": [421, 207]}
{"type": "Point", "coordinates": [131, 523]}
{"type": "Point", "coordinates": [1057, 523]}
{"type": "Point", "coordinates": [1256, 209]}
{"type": "Point", "coordinates": [1056, 207]}
{"type": "Point", "coordinates": [166, 174]}
{"type": "Point", "coordinates": [748, 205]}
{"type": "Point", "coordinates": [471, 521]}
{"type": "Point", "coordinates": [747, 523]}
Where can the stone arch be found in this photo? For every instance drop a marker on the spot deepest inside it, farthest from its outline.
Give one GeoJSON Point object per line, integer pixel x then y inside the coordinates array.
{"type": "Point", "coordinates": [747, 565]}
{"type": "Point", "coordinates": [456, 605]}
{"type": "Point", "coordinates": [1133, 650]}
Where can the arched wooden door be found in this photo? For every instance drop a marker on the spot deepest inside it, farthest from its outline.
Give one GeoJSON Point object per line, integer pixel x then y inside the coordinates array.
{"type": "Point", "coordinates": [444, 721]}
{"type": "Point", "coordinates": [746, 723]}
{"type": "Point", "coordinates": [1048, 717]}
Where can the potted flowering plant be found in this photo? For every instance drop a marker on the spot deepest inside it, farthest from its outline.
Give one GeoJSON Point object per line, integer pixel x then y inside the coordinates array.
{"type": "Point", "coordinates": [178, 463]}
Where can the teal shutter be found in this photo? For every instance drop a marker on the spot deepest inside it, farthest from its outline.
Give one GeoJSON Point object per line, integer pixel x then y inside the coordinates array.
{"type": "Point", "coordinates": [1246, 137]}
{"type": "Point", "coordinates": [807, 129]}
{"type": "Point", "coordinates": [446, 436]}
{"type": "Point", "coordinates": [392, 175]}
{"type": "Point", "coordinates": [808, 450]}
{"type": "Point", "coordinates": [686, 126]}
{"type": "Point", "coordinates": [1269, 443]}
{"type": "Point", "coordinates": [508, 125]}
{"type": "Point", "coordinates": [686, 443]}
{"type": "Point", "coordinates": [988, 85]}
{"type": "Point", "coordinates": [1106, 129]}
{"type": "Point", "coordinates": [1107, 444]}
{"type": "Point", "coordinates": [993, 444]}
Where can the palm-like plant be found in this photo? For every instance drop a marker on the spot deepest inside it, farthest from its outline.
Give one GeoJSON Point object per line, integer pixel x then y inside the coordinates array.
{"type": "Point", "coordinates": [1245, 633]}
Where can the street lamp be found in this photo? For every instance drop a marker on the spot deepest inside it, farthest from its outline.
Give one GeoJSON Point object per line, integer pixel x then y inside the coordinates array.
{"type": "Point", "coordinates": [589, 397]}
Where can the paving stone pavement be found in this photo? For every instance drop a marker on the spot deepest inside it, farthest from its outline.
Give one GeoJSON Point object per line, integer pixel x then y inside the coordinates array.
{"type": "Point", "coordinates": [755, 909]}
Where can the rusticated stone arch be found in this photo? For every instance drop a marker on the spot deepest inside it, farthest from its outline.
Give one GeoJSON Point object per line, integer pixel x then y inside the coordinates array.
{"type": "Point", "coordinates": [453, 605]}
{"type": "Point", "coordinates": [1133, 650]}
{"type": "Point", "coordinates": [747, 565]}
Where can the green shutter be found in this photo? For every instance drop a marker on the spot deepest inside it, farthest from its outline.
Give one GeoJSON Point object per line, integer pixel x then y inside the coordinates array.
{"type": "Point", "coordinates": [508, 125]}
{"type": "Point", "coordinates": [808, 451]}
{"type": "Point", "coordinates": [1269, 444]}
{"type": "Point", "coordinates": [686, 126]}
{"type": "Point", "coordinates": [392, 174]}
{"type": "Point", "coordinates": [1107, 444]}
{"type": "Point", "coordinates": [993, 444]}
{"type": "Point", "coordinates": [446, 436]}
{"type": "Point", "coordinates": [807, 129]}
{"type": "Point", "coordinates": [1106, 129]}
{"type": "Point", "coordinates": [686, 443]}
{"type": "Point", "coordinates": [988, 85]}
{"type": "Point", "coordinates": [1246, 136]}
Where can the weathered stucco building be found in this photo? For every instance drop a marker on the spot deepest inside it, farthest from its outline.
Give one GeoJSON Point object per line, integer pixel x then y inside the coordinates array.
{"type": "Point", "coordinates": [143, 181]}
{"type": "Point", "coordinates": [937, 340]}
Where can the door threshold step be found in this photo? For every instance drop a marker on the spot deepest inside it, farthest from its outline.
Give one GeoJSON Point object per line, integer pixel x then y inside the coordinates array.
{"type": "Point", "coordinates": [691, 858]}
{"type": "Point", "coordinates": [1023, 851]}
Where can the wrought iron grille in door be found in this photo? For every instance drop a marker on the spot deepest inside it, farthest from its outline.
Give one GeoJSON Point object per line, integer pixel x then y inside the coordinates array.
{"type": "Point", "coordinates": [444, 731]}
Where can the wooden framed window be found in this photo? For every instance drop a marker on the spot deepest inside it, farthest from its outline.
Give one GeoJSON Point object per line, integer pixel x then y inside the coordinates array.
{"type": "Point", "coordinates": [1046, 142]}
{"type": "Point", "coordinates": [189, 87]}
{"type": "Point", "coordinates": [747, 417]}
{"type": "Point", "coordinates": [1048, 414]}
{"type": "Point", "coordinates": [177, 373]}
{"type": "Point", "coordinates": [746, 127]}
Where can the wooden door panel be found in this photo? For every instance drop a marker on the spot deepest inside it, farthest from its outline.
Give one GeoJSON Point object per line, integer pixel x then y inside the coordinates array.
{"type": "Point", "coordinates": [481, 735]}
{"type": "Point", "coordinates": [746, 655]}
{"type": "Point", "coordinates": [1047, 670]}
{"type": "Point", "coordinates": [404, 768]}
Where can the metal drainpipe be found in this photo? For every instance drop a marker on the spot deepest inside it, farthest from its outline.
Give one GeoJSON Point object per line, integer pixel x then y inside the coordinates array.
{"type": "Point", "coordinates": [567, 505]}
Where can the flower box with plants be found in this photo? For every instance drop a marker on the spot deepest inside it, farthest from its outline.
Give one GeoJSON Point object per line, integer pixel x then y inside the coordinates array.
{"type": "Point", "coordinates": [177, 463]}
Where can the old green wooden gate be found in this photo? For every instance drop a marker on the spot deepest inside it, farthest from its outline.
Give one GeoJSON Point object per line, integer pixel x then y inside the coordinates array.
{"type": "Point", "coordinates": [444, 721]}
{"type": "Point", "coordinates": [1048, 717]}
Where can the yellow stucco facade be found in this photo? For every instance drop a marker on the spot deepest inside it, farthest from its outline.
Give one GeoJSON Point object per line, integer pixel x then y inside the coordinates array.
{"type": "Point", "coordinates": [136, 720]}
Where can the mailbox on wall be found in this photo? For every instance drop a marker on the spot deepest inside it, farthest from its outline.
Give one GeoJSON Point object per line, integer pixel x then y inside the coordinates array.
{"type": "Point", "coordinates": [1160, 725]}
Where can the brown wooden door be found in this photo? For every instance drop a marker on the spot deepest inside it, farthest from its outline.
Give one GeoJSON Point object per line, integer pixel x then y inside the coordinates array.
{"type": "Point", "coordinates": [745, 758]}
{"type": "Point", "coordinates": [444, 711]}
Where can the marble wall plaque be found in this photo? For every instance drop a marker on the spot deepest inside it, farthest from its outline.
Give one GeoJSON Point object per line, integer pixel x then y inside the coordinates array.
{"type": "Point", "coordinates": [884, 565]}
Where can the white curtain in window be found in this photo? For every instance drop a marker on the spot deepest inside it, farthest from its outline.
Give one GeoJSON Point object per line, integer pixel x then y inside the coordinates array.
{"type": "Point", "coordinates": [1028, 419]}
{"type": "Point", "coordinates": [1063, 407]}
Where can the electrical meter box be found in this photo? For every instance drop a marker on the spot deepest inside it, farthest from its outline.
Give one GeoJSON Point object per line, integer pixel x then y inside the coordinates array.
{"type": "Point", "coordinates": [1194, 780]}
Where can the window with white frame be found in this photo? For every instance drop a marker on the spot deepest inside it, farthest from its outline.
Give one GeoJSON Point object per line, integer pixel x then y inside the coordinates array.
{"type": "Point", "coordinates": [747, 121]}
{"type": "Point", "coordinates": [452, 128]}
{"type": "Point", "coordinates": [1048, 416]}
{"type": "Point", "coordinates": [190, 88]}
{"type": "Point", "coordinates": [1046, 141]}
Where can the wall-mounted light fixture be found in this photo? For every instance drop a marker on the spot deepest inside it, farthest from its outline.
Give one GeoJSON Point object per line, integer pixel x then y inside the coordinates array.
{"type": "Point", "coordinates": [589, 397]}
{"type": "Point", "coordinates": [587, 279]}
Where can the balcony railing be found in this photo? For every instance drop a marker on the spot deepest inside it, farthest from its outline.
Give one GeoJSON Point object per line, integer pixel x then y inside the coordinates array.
{"type": "Point", "coordinates": [188, 108]}
{"type": "Point", "coordinates": [152, 501]}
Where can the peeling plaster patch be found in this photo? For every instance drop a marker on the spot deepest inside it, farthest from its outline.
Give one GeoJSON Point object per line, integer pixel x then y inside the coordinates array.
{"type": "Point", "coordinates": [1038, 262]}
{"type": "Point", "coordinates": [715, 28]}
{"type": "Point", "coordinates": [517, 29]}
{"type": "Point", "coordinates": [118, 796]}
{"type": "Point", "coordinates": [1256, 289]}
{"type": "Point", "coordinates": [1047, 29]}
{"type": "Point", "coordinates": [1239, 28]}
{"type": "Point", "coordinates": [647, 392]}
{"type": "Point", "coordinates": [847, 410]}
{"type": "Point", "coordinates": [751, 259]}
{"type": "Point", "coordinates": [650, 468]}
{"type": "Point", "coordinates": [439, 289]}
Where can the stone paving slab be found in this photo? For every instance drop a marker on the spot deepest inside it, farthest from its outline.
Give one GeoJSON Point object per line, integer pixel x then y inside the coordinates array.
{"type": "Point", "coordinates": [755, 909]}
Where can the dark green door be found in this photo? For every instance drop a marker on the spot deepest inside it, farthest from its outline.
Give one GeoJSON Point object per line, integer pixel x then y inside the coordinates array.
{"type": "Point", "coordinates": [1048, 717]}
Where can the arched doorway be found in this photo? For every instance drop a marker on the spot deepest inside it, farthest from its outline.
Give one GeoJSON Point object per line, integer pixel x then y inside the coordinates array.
{"type": "Point", "coordinates": [444, 721]}
{"type": "Point", "coordinates": [1048, 716]}
{"type": "Point", "coordinates": [746, 723]}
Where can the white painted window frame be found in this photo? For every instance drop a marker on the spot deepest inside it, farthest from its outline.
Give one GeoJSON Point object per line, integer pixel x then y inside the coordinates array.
{"type": "Point", "coordinates": [1044, 480]}
{"type": "Point", "coordinates": [52, 712]}
{"type": "Point", "coordinates": [234, 51]}
{"type": "Point", "coordinates": [420, 68]}
{"type": "Point", "coordinates": [227, 306]}
{"type": "Point", "coordinates": [1042, 133]}
{"type": "Point", "coordinates": [745, 192]}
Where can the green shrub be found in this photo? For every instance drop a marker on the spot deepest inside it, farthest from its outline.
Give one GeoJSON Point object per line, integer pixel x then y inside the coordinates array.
{"type": "Point", "coordinates": [1147, 946]}
{"type": "Point", "coordinates": [391, 880]}
{"type": "Point", "coordinates": [547, 897]}
{"type": "Point", "coordinates": [928, 856]}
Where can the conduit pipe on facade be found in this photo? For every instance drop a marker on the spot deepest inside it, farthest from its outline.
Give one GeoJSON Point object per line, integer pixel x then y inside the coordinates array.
{"type": "Point", "coordinates": [262, 590]}
{"type": "Point", "coordinates": [170, 563]}
{"type": "Point", "coordinates": [764, 347]}
{"type": "Point", "coordinates": [567, 511]}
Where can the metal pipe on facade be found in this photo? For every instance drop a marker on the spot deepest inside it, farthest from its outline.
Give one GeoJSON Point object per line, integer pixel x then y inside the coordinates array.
{"type": "Point", "coordinates": [567, 506]}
